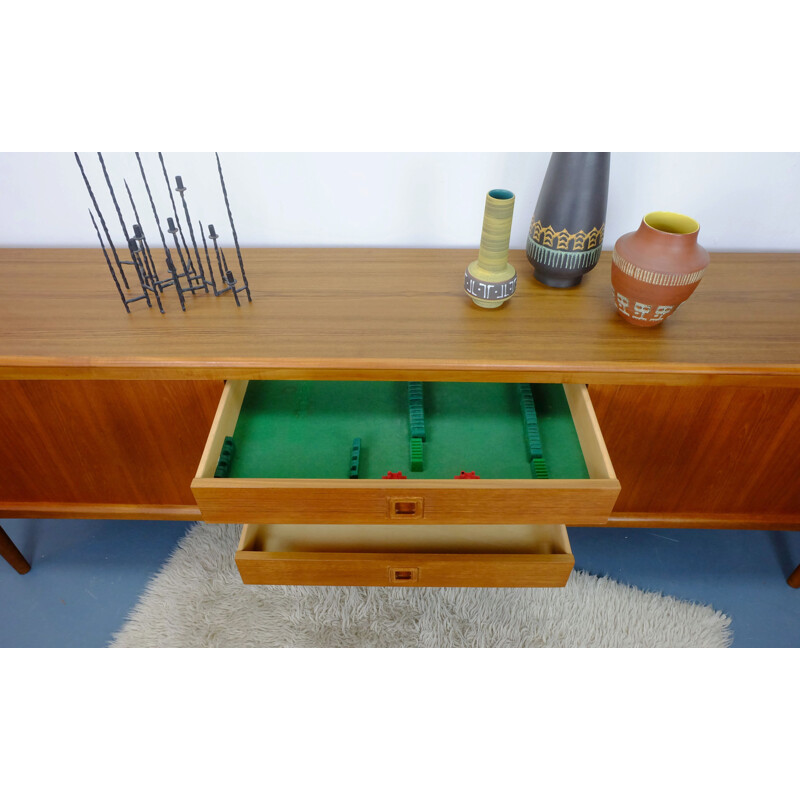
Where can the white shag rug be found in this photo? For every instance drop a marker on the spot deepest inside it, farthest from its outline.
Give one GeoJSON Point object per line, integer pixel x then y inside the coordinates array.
{"type": "Point", "coordinates": [199, 600]}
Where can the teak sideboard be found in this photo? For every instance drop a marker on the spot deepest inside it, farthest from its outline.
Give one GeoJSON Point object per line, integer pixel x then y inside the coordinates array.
{"type": "Point", "coordinates": [694, 423]}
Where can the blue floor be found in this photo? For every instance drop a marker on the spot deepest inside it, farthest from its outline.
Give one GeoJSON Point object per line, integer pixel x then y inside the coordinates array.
{"type": "Point", "coordinates": [87, 574]}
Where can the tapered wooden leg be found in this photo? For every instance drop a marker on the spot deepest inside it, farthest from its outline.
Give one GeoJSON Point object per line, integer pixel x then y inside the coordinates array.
{"type": "Point", "coordinates": [10, 553]}
{"type": "Point", "coordinates": [794, 579]}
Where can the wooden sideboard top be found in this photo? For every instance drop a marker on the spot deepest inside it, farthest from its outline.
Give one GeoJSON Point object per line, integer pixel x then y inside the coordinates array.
{"type": "Point", "coordinates": [395, 314]}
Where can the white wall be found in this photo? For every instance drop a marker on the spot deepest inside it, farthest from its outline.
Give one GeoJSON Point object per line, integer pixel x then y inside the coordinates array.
{"type": "Point", "coordinates": [743, 201]}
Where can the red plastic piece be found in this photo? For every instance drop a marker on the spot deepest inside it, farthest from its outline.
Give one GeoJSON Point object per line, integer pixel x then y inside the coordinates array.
{"type": "Point", "coordinates": [394, 475]}
{"type": "Point", "coordinates": [465, 475]}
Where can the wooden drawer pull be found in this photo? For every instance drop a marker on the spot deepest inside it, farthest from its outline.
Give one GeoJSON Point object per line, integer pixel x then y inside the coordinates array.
{"type": "Point", "coordinates": [404, 574]}
{"type": "Point", "coordinates": [405, 507]}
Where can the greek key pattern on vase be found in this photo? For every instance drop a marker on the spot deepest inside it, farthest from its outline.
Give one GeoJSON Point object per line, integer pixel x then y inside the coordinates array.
{"type": "Point", "coordinates": [656, 278]}
{"type": "Point", "coordinates": [486, 290]}
{"type": "Point", "coordinates": [563, 259]}
{"type": "Point", "coordinates": [563, 239]}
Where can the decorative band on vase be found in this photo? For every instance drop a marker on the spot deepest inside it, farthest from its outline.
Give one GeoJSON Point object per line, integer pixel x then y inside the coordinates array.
{"type": "Point", "coordinates": [564, 240]}
{"type": "Point", "coordinates": [563, 259]}
{"type": "Point", "coordinates": [656, 278]}
{"type": "Point", "coordinates": [486, 290]}
{"type": "Point", "coordinates": [651, 313]}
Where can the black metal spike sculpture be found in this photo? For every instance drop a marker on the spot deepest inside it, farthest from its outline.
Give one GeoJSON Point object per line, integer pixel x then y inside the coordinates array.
{"type": "Point", "coordinates": [132, 245]}
{"type": "Point", "coordinates": [174, 280]}
{"type": "Point", "coordinates": [141, 244]}
{"type": "Point", "coordinates": [208, 259]}
{"type": "Point", "coordinates": [188, 266]}
{"type": "Point", "coordinates": [113, 196]}
{"type": "Point", "coordinates": [141, 257]}
{"type": "Point", "coordinates": [233, 228]}
{"type": "Point", "coordinates": [152, 270]}
{"type": "Point", "coordinates": [110, 266]}
{"type": "Point", "coordinates": [213, 235]}
{"type": "Point", "coordinates": [225, 273]}
{"type": "Point", "coordinates": [102, 222]}
{"type": "Point", "coordinates": [136, 255]}
{"type": "Point", "coordinates": [181, 190]}
{"type": "Point", "coordinates": [172, 229]}
{"type": "Point", "coordinates": [229, 279]}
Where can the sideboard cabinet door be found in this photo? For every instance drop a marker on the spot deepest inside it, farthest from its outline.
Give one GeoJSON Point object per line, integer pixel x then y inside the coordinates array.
{"type": "Point", "coordinates": [713, 457]}
{"type": "Point", "coordinates": [102, 448]}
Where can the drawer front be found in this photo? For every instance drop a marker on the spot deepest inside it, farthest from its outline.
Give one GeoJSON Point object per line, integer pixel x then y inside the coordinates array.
{"type": "Point", "coordinates": [321, 555]}
{"type": "Point", "coordinates": [412, 501]}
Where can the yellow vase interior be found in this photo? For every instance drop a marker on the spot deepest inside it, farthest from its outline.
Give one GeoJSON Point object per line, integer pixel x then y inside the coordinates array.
{"type": "Point", "coordinates": [668, 222]}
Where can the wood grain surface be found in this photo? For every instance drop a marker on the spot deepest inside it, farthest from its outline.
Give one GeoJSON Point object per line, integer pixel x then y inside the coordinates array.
{"type": "Point", "coordinates": [381, 569]}
{"type": "Point", "coordinates": [397, 315]}
{"type": "Point", "coordinates": [692, 456]}
{"type": "Point", "coordinates": [77, 447]}
{"type": "Point", "coordinates": [96, 510]}
{"type": "Point", "coordinates": [574, 502]}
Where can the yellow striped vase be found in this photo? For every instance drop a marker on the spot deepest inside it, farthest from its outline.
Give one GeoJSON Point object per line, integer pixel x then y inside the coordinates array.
{"type": "Point", "coordinates": [491, 280]}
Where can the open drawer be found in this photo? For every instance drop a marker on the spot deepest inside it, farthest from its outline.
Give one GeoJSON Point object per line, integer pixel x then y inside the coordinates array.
{"type": "Point", "coordinates": [405, 555]}
{"type": "Point", "coordinates": [292, 453]}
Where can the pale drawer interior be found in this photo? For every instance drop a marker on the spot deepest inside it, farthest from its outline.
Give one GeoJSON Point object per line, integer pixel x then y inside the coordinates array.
{"type": "Point", "coordinates": [456, 539]}
{"type": "Point", "coordinates": [410, 556]}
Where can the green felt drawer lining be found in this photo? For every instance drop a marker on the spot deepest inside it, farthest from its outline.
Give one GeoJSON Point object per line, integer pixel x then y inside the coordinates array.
{"type": "Point", "coordinates": [305, 429]}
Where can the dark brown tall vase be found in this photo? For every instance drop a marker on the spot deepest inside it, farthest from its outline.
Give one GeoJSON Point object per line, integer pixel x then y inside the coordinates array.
{"type": "Point", "coordinates": [566, 234]}
{"type": "Point", "coordinates": [656, 268]}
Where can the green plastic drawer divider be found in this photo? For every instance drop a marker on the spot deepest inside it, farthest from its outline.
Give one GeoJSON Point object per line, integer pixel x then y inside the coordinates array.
{"type": "Point", "coordinates": [533, 441]}
{"type": "Point", "coordinates": [355, 457]}
{"type": "Point", "coordinates": [225, 458]}
{"type": "Point", "coordinates": [417, 464]}
{"type": "Point", "coordinates": [416, 410]}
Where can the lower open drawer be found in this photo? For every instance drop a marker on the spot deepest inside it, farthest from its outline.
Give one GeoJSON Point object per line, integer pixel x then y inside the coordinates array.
{"type": "Point", "coordinates": [408, 555]}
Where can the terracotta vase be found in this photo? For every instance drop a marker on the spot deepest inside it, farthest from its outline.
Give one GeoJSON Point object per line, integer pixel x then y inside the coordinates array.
{"type": "Point", "coordinates": [656, 268]}
{"type": "Point", "coordinates": [566, 235]}
{"type": "Point", "coordinates": [491, 280]}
